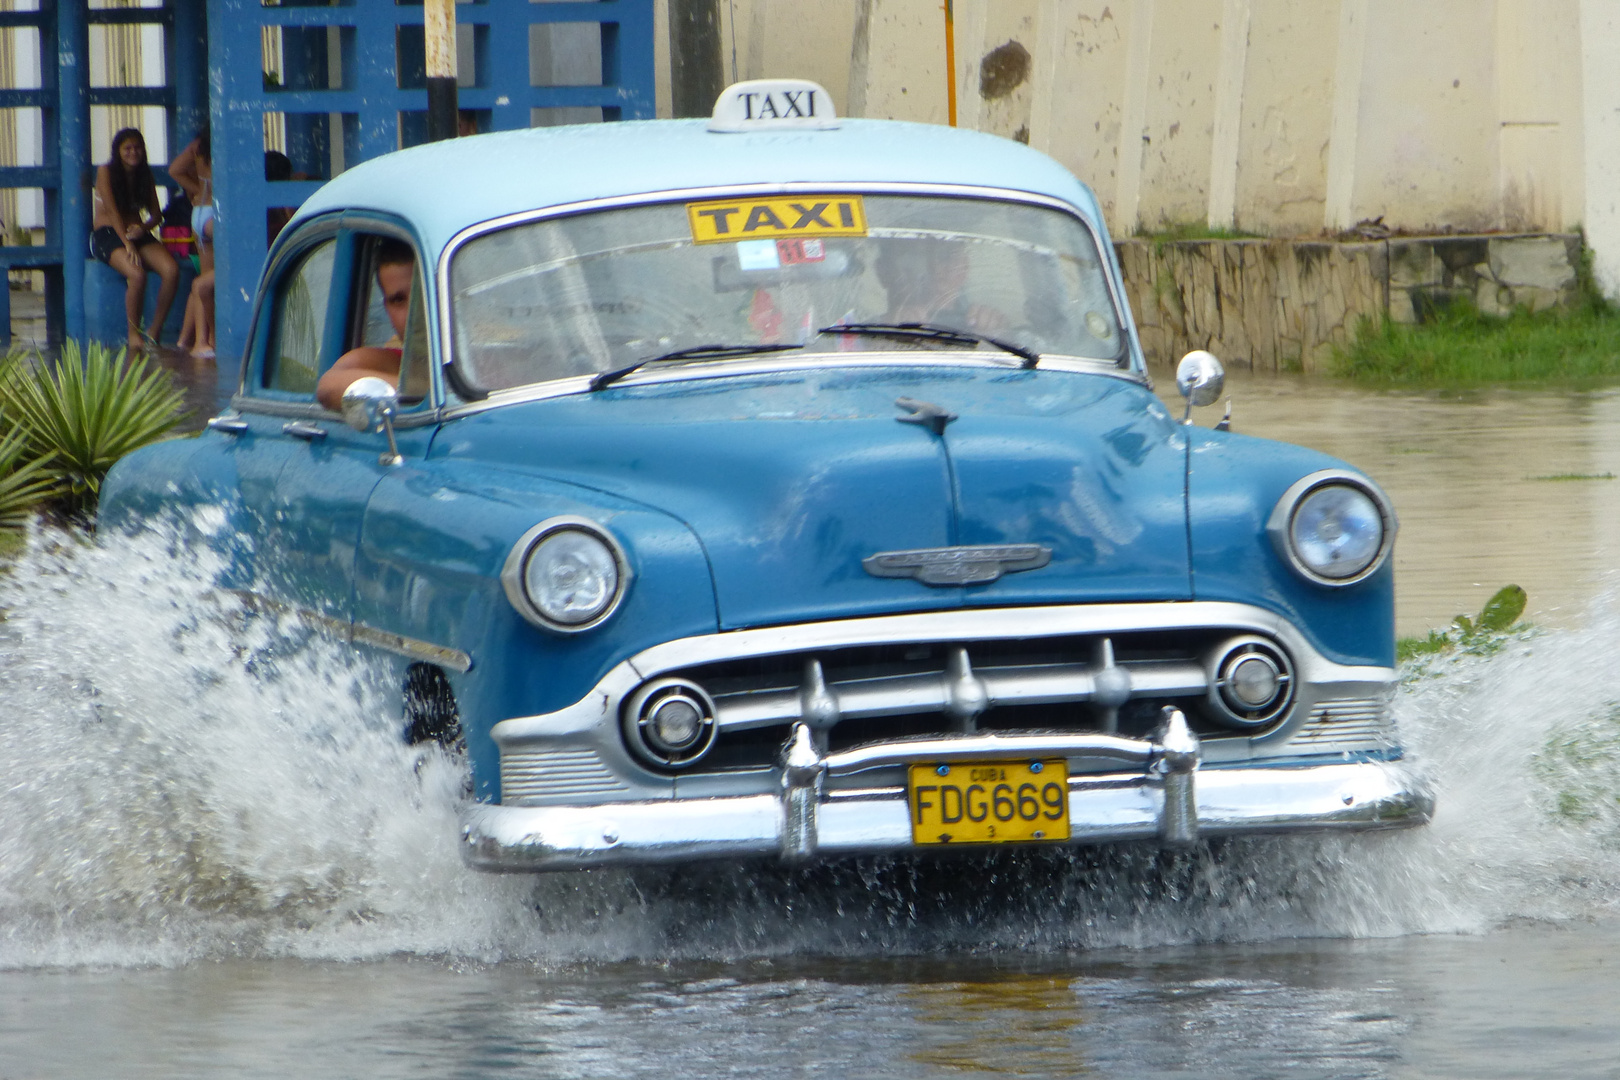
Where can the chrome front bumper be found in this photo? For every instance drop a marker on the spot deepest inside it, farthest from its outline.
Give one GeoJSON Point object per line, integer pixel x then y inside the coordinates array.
{"type": "Point", "coordinates": [1163, 795]}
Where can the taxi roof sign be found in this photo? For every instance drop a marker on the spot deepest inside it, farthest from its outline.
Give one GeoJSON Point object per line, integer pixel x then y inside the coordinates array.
{"type": "Point", "coordinates": [773, 104]}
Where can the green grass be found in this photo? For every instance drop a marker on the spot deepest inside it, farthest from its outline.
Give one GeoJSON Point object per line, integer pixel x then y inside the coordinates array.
{"type": "Point", "coordinates": [1485, 633]}
{"type": "Point", "coordinates": [1464, 348]}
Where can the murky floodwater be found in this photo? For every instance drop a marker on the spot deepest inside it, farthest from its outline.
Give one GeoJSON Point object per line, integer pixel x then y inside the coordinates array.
{"type": "Point", "coordinates": [1492, 486]}
{"type": "Point", "coordinates": [216, 859]}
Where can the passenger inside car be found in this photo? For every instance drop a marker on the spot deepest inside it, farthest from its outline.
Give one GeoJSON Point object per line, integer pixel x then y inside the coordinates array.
{"type": "Point", "coordinates": [396, 272]}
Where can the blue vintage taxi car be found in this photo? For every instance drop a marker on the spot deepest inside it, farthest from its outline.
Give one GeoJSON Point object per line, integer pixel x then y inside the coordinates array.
{"type": "Point", "coordinates": [780, 485]}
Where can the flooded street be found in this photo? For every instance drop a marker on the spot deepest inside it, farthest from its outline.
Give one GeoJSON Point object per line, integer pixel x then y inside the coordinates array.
{"type": "Point", "coordinates": [218, 860]}
{"type": "Point", "coordinates": [1492, 486]}
{"type": "Point", "coordinates": [1414, 1007]}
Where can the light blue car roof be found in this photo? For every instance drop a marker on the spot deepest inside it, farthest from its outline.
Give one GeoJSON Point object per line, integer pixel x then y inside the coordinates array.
{"type": "Point", "coordinates": [444, 187]}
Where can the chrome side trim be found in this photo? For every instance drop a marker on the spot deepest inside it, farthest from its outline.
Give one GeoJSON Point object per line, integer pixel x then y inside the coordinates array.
{"type": "Point", "coordinates": [308, 410]}
{"type": "Point", "coordinates": [963, 191]}
{"type": "Point", "coordinates": [443, 655]}
{"type": "Point", "coordinates": [360, 634]}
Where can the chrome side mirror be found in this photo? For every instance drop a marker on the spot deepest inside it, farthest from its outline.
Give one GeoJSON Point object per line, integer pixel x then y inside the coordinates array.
{"type": "Point", "coordinates": [369, 404]}
{"type": "Point", "coordinates": [1200, 378]}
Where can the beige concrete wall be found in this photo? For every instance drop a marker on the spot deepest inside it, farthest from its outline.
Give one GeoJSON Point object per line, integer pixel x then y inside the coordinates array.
{"type": "Point", "coordinates": [1276, 117]}
{"type": "Point", "coordinates": [1284, 118]}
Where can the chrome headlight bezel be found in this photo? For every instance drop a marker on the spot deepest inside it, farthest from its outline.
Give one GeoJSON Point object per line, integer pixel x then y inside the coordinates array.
{"type": "Point", "coordinates": [514, 573]}
{"type": "Point", "coordinates": [1280, 526]}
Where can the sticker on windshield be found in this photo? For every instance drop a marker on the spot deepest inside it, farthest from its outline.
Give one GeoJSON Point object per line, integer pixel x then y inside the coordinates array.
{"type": "Point", "coordinates": [792, 217]}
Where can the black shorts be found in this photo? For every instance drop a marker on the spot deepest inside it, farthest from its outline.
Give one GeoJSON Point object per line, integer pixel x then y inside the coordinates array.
{"type": "Point", "coordinates": [104, 241]}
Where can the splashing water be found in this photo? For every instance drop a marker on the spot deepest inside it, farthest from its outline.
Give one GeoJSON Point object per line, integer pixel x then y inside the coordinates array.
{"type": "Point", "coordinates": [180, 781]}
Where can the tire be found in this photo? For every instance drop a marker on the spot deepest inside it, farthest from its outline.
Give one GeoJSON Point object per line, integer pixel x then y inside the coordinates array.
{"type": "Point", "coordinates": [430, 708]}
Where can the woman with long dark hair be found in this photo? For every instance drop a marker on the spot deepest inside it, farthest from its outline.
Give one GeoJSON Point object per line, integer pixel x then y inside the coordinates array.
{"type": "Point", "coordinates": [126, 214]}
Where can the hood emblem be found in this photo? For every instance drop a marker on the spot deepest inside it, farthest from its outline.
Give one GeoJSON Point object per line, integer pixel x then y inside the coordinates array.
{"type": "Point", "coordinates": [977, 564]}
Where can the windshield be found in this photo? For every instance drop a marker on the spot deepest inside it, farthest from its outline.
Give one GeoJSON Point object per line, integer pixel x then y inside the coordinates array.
{"type": "Point", "coordinates": [594, 292]}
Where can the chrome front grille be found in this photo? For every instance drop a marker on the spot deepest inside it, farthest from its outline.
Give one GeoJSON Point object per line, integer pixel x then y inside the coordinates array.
{"type": "Point", "coordinates": [537, 774]}
{"type": "Point", "coordinates": [1346, 725]}
{"type": "Point", "coordinates": [849, 696]}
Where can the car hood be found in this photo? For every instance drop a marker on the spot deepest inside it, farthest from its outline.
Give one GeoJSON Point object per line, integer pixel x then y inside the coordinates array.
{"type": "Point", "coordinates": [791, 479]}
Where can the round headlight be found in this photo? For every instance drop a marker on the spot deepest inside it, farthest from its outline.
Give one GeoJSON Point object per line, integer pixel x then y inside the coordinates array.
{"type": "Point", "coordinates": [1337, 531]}
{"type": "Point", "coordinates": [1333, 527]}
{"type": "Point", "coordinates": [565, 574]}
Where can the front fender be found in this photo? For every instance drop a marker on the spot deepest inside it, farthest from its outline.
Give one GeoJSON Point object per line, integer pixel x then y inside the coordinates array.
{"type": "Point", "coordinates": [1233, 482]}
{"type": "Point", "coordinates": [432, 547]}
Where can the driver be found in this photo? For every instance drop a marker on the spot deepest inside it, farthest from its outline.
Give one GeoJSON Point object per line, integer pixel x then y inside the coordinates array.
{"type": "Point", "coordinates": [925, 280]}
{"type": "Point", "coordinates": [396, 266]}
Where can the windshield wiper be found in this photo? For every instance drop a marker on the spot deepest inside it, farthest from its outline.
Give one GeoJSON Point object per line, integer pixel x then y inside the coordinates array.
{"type": "Point", "coordinates": [696, 352]}
{"type": "Point", "coordinates": [944, 335]}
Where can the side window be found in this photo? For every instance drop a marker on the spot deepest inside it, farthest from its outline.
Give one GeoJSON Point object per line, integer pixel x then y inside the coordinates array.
{"type": "Point", "coordinates": [392, 316]}
{"type": "Point", "coordinates": [294, 358]}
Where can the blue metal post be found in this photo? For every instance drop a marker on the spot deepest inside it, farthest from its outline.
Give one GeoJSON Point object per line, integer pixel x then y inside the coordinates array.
{"type": "Point", "coordinates": [189, 75]}
{"type": "Point", "coordinates": [73, 143]}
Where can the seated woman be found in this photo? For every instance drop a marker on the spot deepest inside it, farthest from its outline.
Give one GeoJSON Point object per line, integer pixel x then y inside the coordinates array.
{"type": "Point", "coordinates": [396, 270]}
{"type": "Point", "coordinates": [126, 213]}
{"type": "Point", "coordinates": [193, 170]}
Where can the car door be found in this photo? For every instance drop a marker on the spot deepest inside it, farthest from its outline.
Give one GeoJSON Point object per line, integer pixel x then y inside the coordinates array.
{"type": "Point", "coordinates": [312, 474]}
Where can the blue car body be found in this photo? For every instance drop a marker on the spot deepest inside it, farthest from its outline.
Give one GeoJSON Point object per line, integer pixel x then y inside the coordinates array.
{"type": "Point", "coordinates": [743, 499]}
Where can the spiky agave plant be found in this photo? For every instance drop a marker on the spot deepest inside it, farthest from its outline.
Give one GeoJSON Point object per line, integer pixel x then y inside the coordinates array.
{"type": "Point", "coordinates": [24, 482]}
{"type": "Point", "coordinates": [84, 412]}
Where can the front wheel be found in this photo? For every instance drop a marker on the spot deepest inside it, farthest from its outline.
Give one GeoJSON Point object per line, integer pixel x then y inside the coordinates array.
{"type": "Point", "coordinates": [430, 708]}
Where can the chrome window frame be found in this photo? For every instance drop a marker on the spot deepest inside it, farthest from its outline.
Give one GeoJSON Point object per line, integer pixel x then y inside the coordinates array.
{"type": "Point", "coordinates": [331, 225]}
{"type": "Point", "coordinates": [1126, 367]}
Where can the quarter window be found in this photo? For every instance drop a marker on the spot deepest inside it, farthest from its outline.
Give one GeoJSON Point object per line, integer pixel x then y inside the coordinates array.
{"type": "Point", "coordinates": [294, 359]}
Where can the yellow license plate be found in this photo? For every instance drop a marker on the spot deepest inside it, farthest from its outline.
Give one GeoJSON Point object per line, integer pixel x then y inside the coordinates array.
{"type": "Point", "coordinates": [989, 802]}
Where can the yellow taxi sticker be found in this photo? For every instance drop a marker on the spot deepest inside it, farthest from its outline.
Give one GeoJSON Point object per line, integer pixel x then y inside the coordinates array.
{"type": "Point", "coordinates": [780, 216]}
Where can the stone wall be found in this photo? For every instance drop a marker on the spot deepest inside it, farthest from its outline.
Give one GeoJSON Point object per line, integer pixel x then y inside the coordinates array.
{"type": "Point", "coordinates": [1282, 305]}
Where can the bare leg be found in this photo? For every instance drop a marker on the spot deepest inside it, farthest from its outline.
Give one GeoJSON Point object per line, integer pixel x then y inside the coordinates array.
{"type": "Point", "coordinates": [134, 293]}
{"type": "Point", "coordinates": [157, 257]}
{"type": "Point", "coordinates": [188, 327]}
{"type": "Point", "coordinates": [203, 290]}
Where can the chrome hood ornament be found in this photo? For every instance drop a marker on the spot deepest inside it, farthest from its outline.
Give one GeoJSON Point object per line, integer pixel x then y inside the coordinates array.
{"type": "Point", "coordinates": [976, 564]}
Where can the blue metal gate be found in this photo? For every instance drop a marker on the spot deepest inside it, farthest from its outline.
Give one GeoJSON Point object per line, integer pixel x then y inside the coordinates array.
{"type": "Point", "coordinates": [330, 85]}
{"type": "Point", "coordinates": [64, 99]}
{"type": "Point", "coordinates": [327, 83]}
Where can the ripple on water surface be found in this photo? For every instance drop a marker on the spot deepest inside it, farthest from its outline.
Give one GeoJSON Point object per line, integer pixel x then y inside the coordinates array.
{"type": "Point", "coordinates": [181, 781]}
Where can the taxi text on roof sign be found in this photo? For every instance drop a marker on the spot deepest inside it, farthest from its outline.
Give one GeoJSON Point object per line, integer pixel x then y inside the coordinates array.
{"type": "Point", "coordinates": [722, 220]}
{"type": "Point", "coordinates": [764, 104]}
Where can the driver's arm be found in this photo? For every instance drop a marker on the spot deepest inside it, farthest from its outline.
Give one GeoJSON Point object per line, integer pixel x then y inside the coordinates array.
{"type": "Point", "coordinates": [352, 365]}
